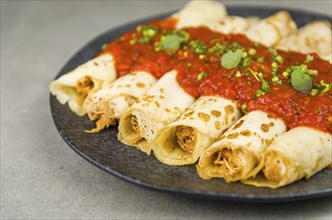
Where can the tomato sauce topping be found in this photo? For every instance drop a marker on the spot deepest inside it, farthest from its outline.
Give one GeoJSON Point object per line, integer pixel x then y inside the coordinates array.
{"type": "Point", "coordinates": [293, 86]}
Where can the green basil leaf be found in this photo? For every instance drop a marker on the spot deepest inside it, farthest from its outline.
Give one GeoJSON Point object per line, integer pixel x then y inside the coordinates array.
{"type": "Point", "coordinates": [301, 81]}
{"type": "Point", "coordinates": [170, 43]}
{"type": "Point", "coordinates": [231, 59]}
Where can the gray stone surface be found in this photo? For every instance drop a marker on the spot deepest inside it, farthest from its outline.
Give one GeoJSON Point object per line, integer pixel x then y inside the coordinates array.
{"type": "Point", "coordinates": [41, 177]}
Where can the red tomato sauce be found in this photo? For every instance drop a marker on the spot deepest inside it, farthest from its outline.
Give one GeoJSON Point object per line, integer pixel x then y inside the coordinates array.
{"type": "Point", "coordinates": [239, 83]}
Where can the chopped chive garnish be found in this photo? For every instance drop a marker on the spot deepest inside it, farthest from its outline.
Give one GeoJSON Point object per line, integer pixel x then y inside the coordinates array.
{"type": "Point", "coordinates": [244, 108]}
{"type": "Point", "coordinates": [104, 47]}
{"type": "Point", "coordinates": [201, 75]}
{"type": "Point", "coordinates": [314, 92]}
{"type": "Point", "coordinates": [252, 51]}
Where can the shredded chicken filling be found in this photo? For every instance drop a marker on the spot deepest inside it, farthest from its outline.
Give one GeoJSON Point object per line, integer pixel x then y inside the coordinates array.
{"type": "Point", "coordinates": [274, 169]}
{"type": "Point", "coordinates": [136, 128]}
{"type": "Point", "coordinates": [185, 137]}
{"type": "Point", "coordinates": [84, 85]}
{"type": "Point", "coordinates": [230, 161]}
{"type": "Point", "coordinates": [106, 119]}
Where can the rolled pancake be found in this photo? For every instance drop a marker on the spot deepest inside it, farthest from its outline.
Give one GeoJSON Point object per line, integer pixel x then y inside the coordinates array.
{"type": "Point", "coordinates": [315, 37]}
{"type": "Point", "coordinates": [299, 153]}
{"type": "Point", "coordinates": [238, 153]}
{"type": "Point", "coordinates": [184, 140]}
{"type": "Point", "coordinates": [109, 103]}
{"type": "Point", "coordinates": [197, 13]}
{"type": "Point", "coordinates": [87, 78]}
{"type": "Point", "coordinates": [271, 30]}
{"type": "Point", "coordinates": [232, 24]}
{"type": "Point", "coordinates": [162, 104]}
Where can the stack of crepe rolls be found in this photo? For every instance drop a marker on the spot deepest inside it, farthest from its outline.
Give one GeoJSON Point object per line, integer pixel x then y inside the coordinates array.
{"type": "Point", "coordinates": [110, 103]}
{"type": "Point", "coordinates": [238, 153]}
{"type": "Point", "coordinates": [184, 140]}
{"type": "Point", "coordinates": [312, 38]}
{"type": "Point", "coordinates": [162, 104]}
{"type": "Point", "coordinates": [271, 30]}
{"type": "Point", "coordinates": [299, 153]}
{"type": "Point", "coordinates": [87, 78]}
{"type": "Point", "coordinates": [75, 86]}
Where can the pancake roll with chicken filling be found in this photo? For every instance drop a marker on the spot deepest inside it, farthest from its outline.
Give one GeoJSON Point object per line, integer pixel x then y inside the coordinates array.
{"type": "Point", "coordinates": [238, 153]}
{"type": "Point", "coordinates": [162, 104]}
{"type": "Point", "coordinates": [109, 104]}
{"type": "Point", "coordinates": [86, 79]}
{"type": "Point", "coordinates": [299, 153]}
{"type": "Point", "coordinates": [184, 140]}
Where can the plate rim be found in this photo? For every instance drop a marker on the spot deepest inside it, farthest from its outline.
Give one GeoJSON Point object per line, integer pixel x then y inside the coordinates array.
{"type": "Point", "coordinates": [215, 195]}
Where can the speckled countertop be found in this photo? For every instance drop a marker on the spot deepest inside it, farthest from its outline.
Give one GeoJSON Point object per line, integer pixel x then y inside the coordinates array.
{"type": "Point", "coordinates": [41, 177]}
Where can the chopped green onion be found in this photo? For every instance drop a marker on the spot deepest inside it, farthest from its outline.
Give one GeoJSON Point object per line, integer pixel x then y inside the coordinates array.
{"type": "Point", "coordinates": [314, 92]}
{"type": "Point", "coordinates": [259, 93]}
{"type": "Point", "coordinates": [273, 51]}
{"type": "Point", "coordinates": [201, 56]}
{"type": "Point", "coordinates": [260, 59]}
{"type": "Point", "coordinates": [132, 42]}
{"type": "Point", "coordinates": [279, 59]}
{"type": "Point", "coordinates": [261, 75]}
{"type": "Point", "coordinates": [313, 72]}
{"type": "Point", "coordinates": [276, 79]}
{"type": "Point", "coordinates": [246, 62]}
{"type": "Point", "coordinates": [189, 64]}
{"type": "Point", "coordinates": [244, 108]}
{"type": "Point", "coordinates": [252, 51]}
{"type": "Point", "coordinates": [285, 74]}
{"type": "Point", "coordinates": [198, 46]}
{"type": "Point", "coordinates": [201, 75]}
{"type": "Point", "coordinates": [309, 59]}
{"type": "Point", "coordinates": [265, 86]}
{"type": "Point", "coordinates": [238, 74]}
{"type": "Point", "coordinates": [104, 47]}
{"type": "Point", "coordinates": [274, 65]}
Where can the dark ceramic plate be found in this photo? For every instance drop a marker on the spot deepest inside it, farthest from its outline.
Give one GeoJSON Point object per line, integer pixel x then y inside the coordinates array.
{"type": "Point", "coordinates": [107, 153]}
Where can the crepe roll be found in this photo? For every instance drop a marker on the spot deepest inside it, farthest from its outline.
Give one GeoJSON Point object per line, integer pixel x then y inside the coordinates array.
{"type": "Point", "coordinates": [109, 103]}
{"type": "Point", "coordinates": [162, 104]}
{"type": "Point", "coordinates": [232, 24]}
{"type": "Point", "coordinates": [238, 153]}
{"type": "Point", "coordinates": [299, 153]}
{"type": "Point", "coordinates": [271, 30]}
{"type": "Point", "coordinates": [184, 140]}
{"type": "Point", "coordinates": [197, 13]}
{"type": "Point", "coordinates": [315, 37]}
{"type": "Point", "coordinates": [87, 78]}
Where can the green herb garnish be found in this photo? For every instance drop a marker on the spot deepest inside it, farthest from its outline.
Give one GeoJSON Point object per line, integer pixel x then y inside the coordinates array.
{"type": "Point", "coordinates": [104, 47]}
{"type": "Point", "coordinates": [301, 80]}
{"type": "Point", "coordinates": [244, 108]}
{"type": "Point", "coordinates": [202, 75]}
{"type": "Point", "coordinates": [231, 60]}
{"type": "Point", "coordinates": [265, 85]}
{"type": "Point", "coordinates": [198, 46]}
